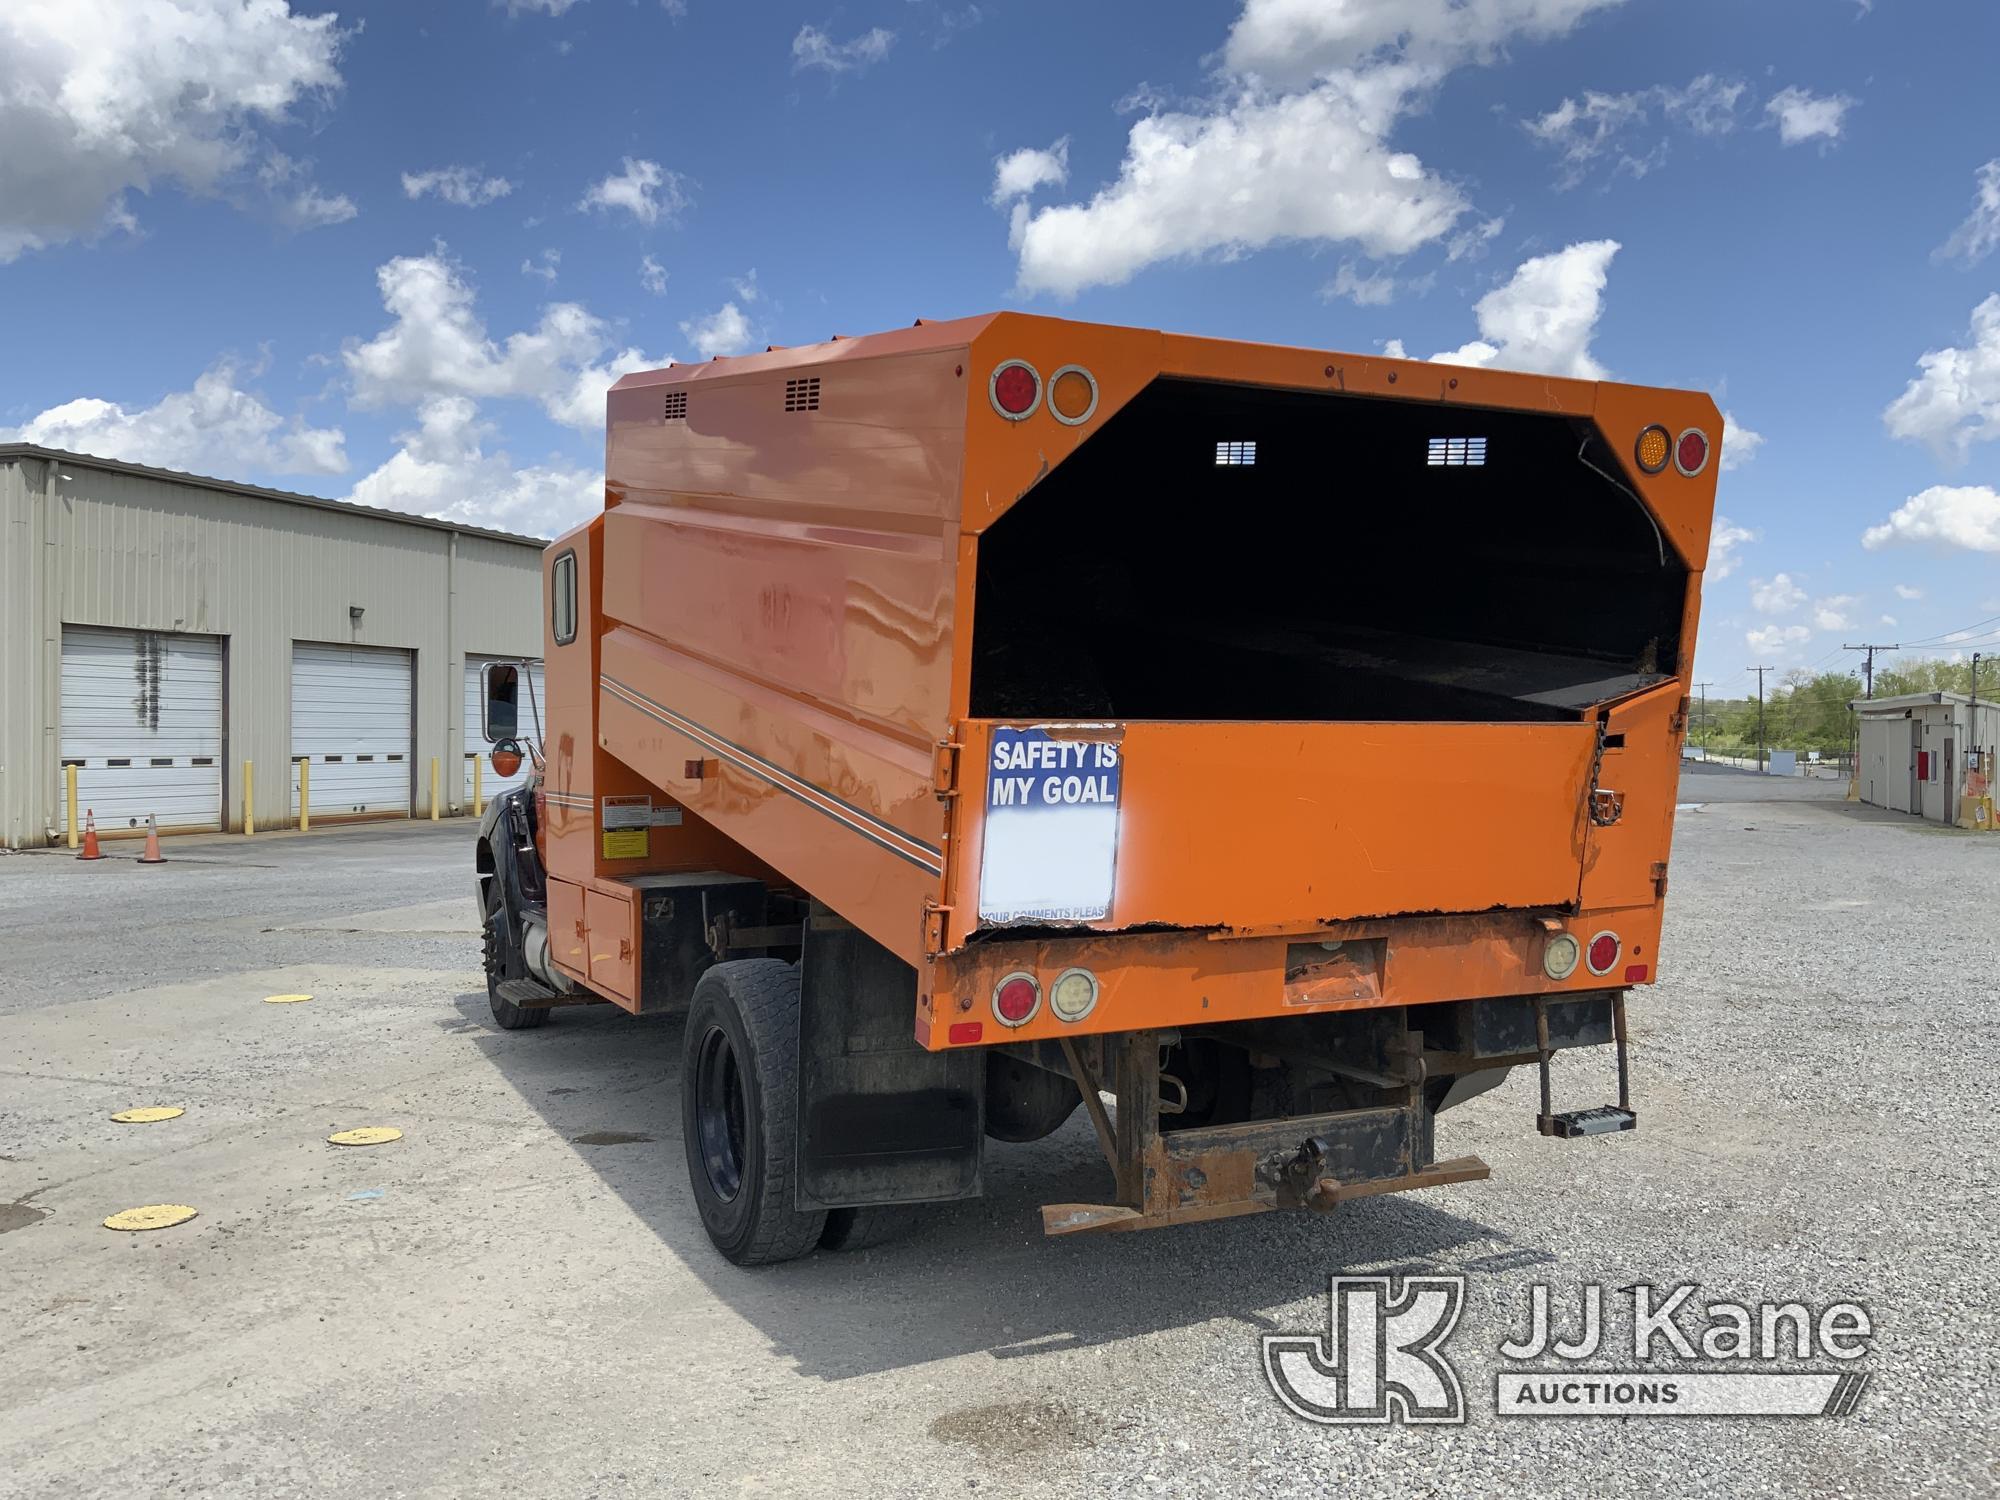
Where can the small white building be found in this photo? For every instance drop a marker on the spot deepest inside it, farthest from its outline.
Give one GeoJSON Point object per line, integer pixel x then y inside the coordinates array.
{"type": "Point", "coordinates": [178, 640]}
{"type": "Point", "coordinates": [1923, 753]}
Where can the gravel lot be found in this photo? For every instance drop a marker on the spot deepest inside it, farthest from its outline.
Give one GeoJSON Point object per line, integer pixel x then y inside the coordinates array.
{"type": "Point", "coordinates": [520, 1312]}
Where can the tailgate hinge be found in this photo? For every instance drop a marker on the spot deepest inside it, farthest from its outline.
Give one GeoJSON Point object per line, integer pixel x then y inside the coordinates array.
{"type": "Point", "coordinates": [1679, 721]}
{"type": "Point", "coordinates": [944, 769]}
{"type": "Point", "coordinates": [935, 918]}
{"type": "Point", "coordinates": [1660, 879]}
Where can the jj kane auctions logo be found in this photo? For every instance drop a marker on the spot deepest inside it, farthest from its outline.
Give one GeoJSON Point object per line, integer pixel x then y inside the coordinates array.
{"type": "Point", "coordinates": [1382, 1356]}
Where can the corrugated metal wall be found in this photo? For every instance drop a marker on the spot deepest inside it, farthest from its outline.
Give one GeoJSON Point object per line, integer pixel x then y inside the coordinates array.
{"type": "Point", "coordinates": [87, 546]}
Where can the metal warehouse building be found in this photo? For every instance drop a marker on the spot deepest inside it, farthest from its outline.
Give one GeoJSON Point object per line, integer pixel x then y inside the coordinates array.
{"type": "Point", "coordinates": [1928, 753]}
{"type": "Point", "coordinates": [177, 639]}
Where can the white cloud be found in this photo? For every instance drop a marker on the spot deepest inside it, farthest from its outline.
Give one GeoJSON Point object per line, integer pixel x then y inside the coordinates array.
{"type": "Point", "coordinates": [1739, 443]}
{"type": "Point", "coordinates": [1908, 591]}
{"type": "Point", "coordinates": [546, 265]}
{"type": "Point", "coordinates": [1777, 640]}
{"type": "Point", "coordinates": [1394, 349]}
{"type": "Point", "coordinates": [1955, 402]}
{"type": "Point", "coordinates": [1944, 515]}
{"type": "Point", "coordinates": [216, 428]}
{"type": "Point", "coordinates": [1471, 244]}
{"type": "Point", "coordinates": [1378, 289]}
{"type": "Point", "coordinates": [1019, 173]}
{"type": "Point", "coordinates": [295, 199]}
{"type": "Point", "coordinates": [467, 187]}
{"type": "Point", "coordinates": [1802, 116]}
{"type": "Point", "coordinates": [100, 98]}
{"type": "Point", "coordinates": [1294, 147]}
{"type": "Point", "coordinates": [1598, 126]}
{"type": "Point", "coordinates": [1831, 613]}
{"type": "Point", "coordinates": [1890, 621]}
{"type": "Point", "coordinates": [652, 276]}
{"type": "Point", "coordinates": [813, 48]}
{"type": "Point", "coordinates": [746, 285]}
{"type": "Point", "coordinates": [443, 467]}
{"type": "Point", "coordinates": [1289, 41]}
{"type": "Point", "coordinates": [537, 7]}
{"type": "Point", "coordinates": [1724, 537]}
{"type": "Point", "coordinates": [1978, 236]}
{"type": "Point", "coordinates": [1543, 318]}
{"type": "Point", "coordinates": [1313, 166]}
{"type": "Point", "coordinates": [437, 345]}
{"type": "Point", "coordinates": [724, 331]}
{"type": "Point", "coordinates": [643, 189]}
{"type": "Point", "coordinates": [1779, 596]}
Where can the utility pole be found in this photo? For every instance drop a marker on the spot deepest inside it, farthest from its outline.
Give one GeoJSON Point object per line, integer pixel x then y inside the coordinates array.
{"type": "Point", "coordinates": [1702, 733]}
{"type": "Point", "coordinates": [1760, 671]}
{"type": "Point", "coordinates": [1972, 727]}
{"type": "Point", "coordinates": [1868, 665]}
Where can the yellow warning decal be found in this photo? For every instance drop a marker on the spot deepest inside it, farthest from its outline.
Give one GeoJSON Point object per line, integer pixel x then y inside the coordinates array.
{"type": "Point", "coordinates": [627, 843]}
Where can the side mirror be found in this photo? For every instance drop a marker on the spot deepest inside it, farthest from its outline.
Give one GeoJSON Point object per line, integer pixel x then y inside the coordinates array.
{"type": "Point", "coordinates": [500, 714]}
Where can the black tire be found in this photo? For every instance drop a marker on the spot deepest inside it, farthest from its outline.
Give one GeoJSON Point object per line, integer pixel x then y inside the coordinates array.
{"type": "Point", "coordinates": [739, 1111]}
{"type": "Point", "coordinates": [865, 1228]}
{"type": "Point", "coordinates": [506, 1014]}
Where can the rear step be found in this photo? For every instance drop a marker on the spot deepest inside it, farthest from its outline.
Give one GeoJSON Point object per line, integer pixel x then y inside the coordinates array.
{"type": "Point", "coordinates": [1605, 1119]}
{"type": "Point", "coordinates": [524, 992]}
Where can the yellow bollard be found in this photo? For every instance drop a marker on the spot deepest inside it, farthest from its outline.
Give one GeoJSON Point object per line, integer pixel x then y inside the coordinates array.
{"type": "Point", "coordinates": [434, 788]}
{"type": "Point", "coordinates": [249, 800]}
{"type": "Point", "coordinates": [69, 780]}
{"type": "Point", "coordinates": [478, 790]}
{"type": "Point", "coordinates": [305, 793]}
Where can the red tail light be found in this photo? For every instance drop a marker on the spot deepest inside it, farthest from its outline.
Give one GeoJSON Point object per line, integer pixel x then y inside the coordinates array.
{"type": "Point", "coordinates": [1691, 452]}
{"type": "Point", "coordinates": [1016, 389]}
{"type": "Point", "coordinates": [963, 1033]}
{"type": "Point", "coordinates": [1016, 999]}
{"type": "Point", "coordinates": [1602, 952]}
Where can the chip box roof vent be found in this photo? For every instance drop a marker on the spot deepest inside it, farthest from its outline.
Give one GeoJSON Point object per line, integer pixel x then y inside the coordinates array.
{"type": "Point", "coordinates": [802, 394]}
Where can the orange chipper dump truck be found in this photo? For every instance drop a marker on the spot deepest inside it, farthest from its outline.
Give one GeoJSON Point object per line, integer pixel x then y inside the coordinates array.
{"type": "Point", "coordinates": [966, 722]}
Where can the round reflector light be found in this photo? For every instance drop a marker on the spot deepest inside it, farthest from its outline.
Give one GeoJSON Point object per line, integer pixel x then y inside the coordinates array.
{"type": "Point", "coordinates": [1602, 953]}
{"type": "Point", "coordinates": [1559, 955]}
{"type": "Point", "coordinates": [1073, 395]}
{"type": "Point", "coordinates": [1016, 389]}
{"type": "Point", "coordinates": [1655, 447]}
{"type": "Point", "coordinates": [506, 758]}
{"type": "Point", "coordinates": [1691, 452]}
{"type": "Point", "coordinates": [1074, 994]}
{"type": "Point", "coordinates": [1016, 999]}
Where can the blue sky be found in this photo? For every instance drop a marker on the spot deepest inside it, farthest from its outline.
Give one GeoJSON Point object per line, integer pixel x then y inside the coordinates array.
{"type": "Point", "coordinates": [395, 253]}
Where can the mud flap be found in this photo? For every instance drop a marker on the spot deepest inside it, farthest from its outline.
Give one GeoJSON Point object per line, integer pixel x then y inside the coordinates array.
{"type": "Point", "coordinates": [880, 1120]}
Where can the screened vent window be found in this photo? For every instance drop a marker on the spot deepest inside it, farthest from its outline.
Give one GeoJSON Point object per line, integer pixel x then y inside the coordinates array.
{"type": "Point", "coordinates": [1457, 452]}
{"type": "Point", "coordinates": [802, 394]}
{"type": "Point", "coordinates": [676, 408]}
{"type": "Point", "coordinates": [562, 598]}
{"type": "Point", "coordinates": [1230, 454]}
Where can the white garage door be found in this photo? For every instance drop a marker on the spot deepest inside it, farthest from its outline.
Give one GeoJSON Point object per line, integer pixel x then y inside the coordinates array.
{"type": "Point", "coordinates": [142, 722]}
{"type": "Point", "coordinates": [351, 711]}
{"type": "Point", "coordinates": [492, 785]}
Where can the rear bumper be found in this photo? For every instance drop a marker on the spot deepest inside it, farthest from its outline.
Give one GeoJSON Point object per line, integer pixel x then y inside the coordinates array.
{"type": "Point", "coordinates": [1177, 978]}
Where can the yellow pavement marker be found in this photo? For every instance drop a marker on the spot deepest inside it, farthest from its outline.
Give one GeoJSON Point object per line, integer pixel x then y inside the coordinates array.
{"type": "Point", "coordinates": [367, 1135]}
{"type": "Point", "coordinates": [152, 1216]}
{"type": "Point", "coordinates": [151, 1114]}
{"type": "Point", "coordinates": [285, 999]}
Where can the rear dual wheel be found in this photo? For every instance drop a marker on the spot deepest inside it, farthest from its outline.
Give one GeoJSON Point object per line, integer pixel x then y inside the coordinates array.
{"type": "Point", "coordinates": [739, 1121]}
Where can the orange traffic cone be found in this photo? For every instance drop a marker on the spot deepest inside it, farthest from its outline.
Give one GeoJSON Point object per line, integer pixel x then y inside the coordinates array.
{"type": "Point", "coordinates": [152, 856]}
{"type": "Point", "coordinates": [90, 849]}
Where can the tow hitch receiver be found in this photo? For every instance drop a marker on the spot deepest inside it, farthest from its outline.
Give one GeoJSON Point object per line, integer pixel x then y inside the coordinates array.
{"type": "Point", "coordinates": [1605, 1119]}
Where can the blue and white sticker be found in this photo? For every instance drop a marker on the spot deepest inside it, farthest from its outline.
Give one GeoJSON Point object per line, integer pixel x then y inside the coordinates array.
{"type": "Point", "coordinates": [1051, 841]}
